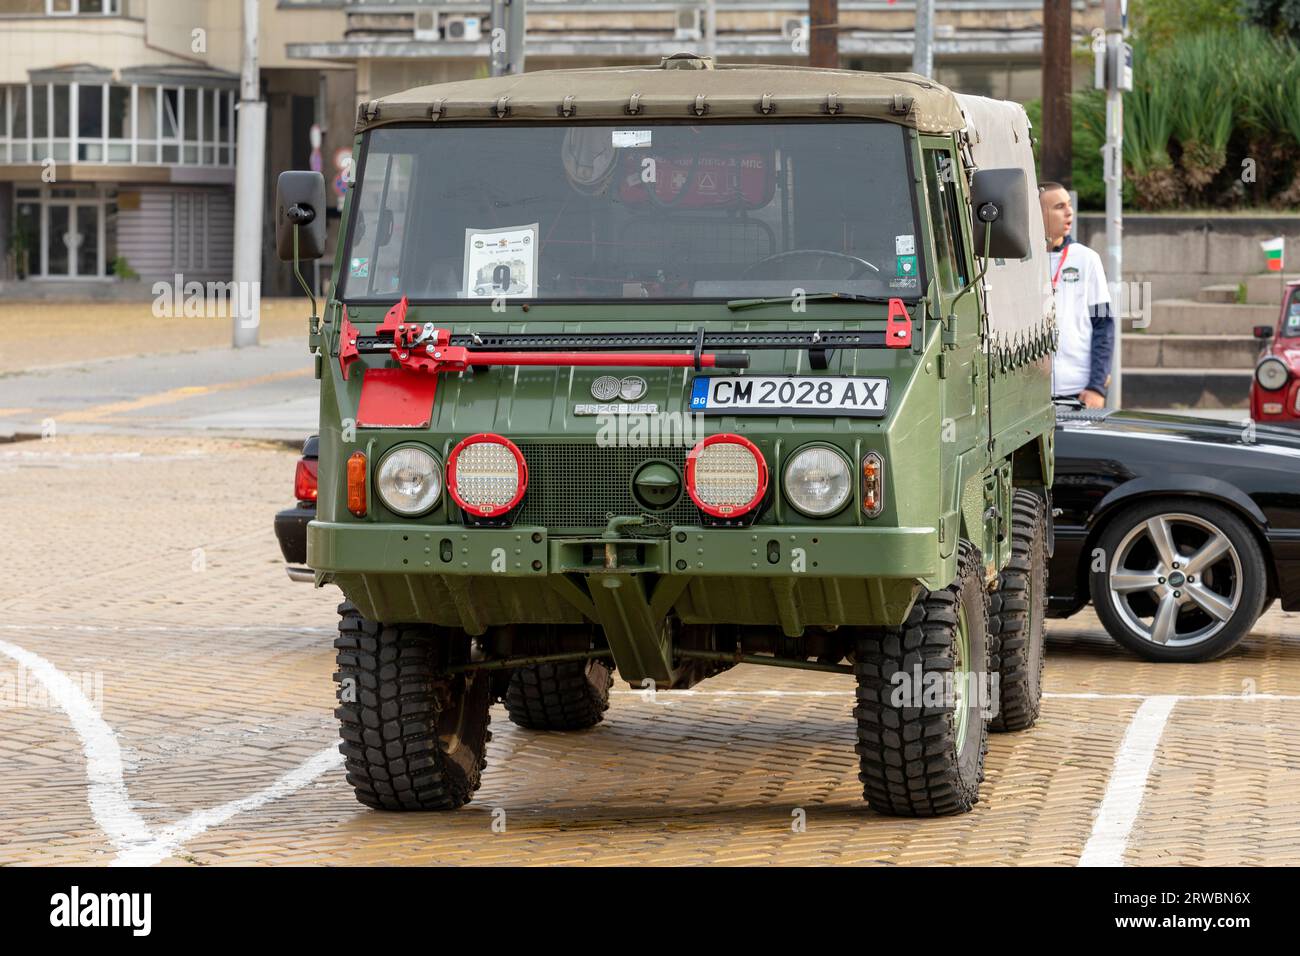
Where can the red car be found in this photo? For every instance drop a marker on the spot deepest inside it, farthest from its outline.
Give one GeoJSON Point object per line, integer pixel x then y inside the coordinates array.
{"type": "Point", "coordinates": [1275, 389]}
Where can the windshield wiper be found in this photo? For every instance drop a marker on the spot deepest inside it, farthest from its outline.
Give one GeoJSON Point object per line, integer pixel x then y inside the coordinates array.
{"type": "Point", "coordinates": [734, 304]}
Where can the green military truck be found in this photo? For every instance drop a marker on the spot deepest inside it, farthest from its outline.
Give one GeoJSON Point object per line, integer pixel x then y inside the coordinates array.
{"type": "Point", "coordinates": [665, 369]}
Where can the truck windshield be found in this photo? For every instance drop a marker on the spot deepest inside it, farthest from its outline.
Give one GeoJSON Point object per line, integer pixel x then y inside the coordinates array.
{"type": "Point", "coordinates": [633, 211]}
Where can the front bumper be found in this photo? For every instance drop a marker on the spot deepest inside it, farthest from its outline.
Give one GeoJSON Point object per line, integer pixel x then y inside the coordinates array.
{"type": "Point", "coordinates": [788, 577]}
{"type": "Point", "coordinates": [522, 551]}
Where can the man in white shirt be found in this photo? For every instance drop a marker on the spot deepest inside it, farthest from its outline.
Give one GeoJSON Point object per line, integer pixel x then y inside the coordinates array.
{"type": "Point", "coordinates": [1087, 329]}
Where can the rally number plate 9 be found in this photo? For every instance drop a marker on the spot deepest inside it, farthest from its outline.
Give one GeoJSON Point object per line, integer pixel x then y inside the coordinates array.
{"type": "Point", "coordinates": [790, 395]}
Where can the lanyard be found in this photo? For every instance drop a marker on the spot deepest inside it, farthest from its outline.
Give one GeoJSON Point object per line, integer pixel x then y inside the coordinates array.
{"type": "Point", "coordinates": [1065, 251]}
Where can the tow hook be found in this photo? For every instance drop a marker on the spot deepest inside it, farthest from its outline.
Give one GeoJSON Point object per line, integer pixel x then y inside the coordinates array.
{"type": "Point", "coordinates": [611, 534]}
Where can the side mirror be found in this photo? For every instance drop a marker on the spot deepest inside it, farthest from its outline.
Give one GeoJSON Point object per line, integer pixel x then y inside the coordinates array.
{"type": "Point", "coordinates": [1263, 332]}
{"type": "Point", "coordinates": [300, 202]}
{"type": "Point", "coordinates": [1000, 199]}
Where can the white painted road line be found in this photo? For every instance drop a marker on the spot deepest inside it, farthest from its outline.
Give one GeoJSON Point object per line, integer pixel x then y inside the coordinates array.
{"type": "Point", "coordinates": [110, 804]}
{"type": "Point", "coordinates": [173, 837]}
{"type": "Point", "coordinates": [1128, 784]}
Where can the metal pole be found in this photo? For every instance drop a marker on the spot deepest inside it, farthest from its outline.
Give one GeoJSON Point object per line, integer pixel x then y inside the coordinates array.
{"type": "Point", "coordinates": [1057, 84]}
{"type": "Point", "coordinates": [507, 45]}
{"type": "Point", "coordinates": [517, 29]}
{"type": "Point", "coordinates": [250, 159]}
{"type": "Point", "coordinates": [498, 57]}
{"type": "Point", "coordinates": [923, 43]}
{"type": "Point", "coordinates": [1114, 176]}
{"type": "Point", "coordinates": [824, 37]}
{"type": "Point", "coordinates": [711, 28]}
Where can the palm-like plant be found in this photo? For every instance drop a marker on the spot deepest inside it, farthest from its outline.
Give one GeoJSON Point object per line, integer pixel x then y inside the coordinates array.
{"type": "Point", "coordinates": [1205, 96]}
{"type": "Point", "coordinates": [1149, 112]}
{"type": "Point", "coordinates": [1268, 77]}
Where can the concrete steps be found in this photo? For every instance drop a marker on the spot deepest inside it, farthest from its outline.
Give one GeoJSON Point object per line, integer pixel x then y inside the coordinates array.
{"type": "Point", "coordinates": [1190, 317]}
{"type": "Point", "coordinates": [1187, 388]}
{"type": "Point", "coordinates": [1144, 350]}
{"type": "Point", "coordinates": [1226, 293]}
{"type": "Point", "coordinates": [1200, 352]}
{"type": "Point", "coordinates": [1266, 289]}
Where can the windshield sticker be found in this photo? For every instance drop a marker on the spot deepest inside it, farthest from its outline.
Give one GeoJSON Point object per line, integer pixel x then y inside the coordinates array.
{"type": "Point", "coordinates": [906, 266]}
{"type": "Point", "coordinates": [631, 138]}
{"type": "Point", "coordinates": [501, 262]}
{"type": "Point", "coordinates": [904, 245]}
{"type": "Point", "coordinates": [360, 268]}
{"type": "Point", "coordinates": [906, 282]}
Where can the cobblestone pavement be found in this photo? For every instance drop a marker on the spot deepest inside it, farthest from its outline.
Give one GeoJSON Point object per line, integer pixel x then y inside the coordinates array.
{"type": "Point", "coordinates": [145, 570]}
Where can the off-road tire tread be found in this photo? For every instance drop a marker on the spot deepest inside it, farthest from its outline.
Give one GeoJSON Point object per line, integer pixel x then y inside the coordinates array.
{"type": "Point", "coordinates": [393, 757]}
{"type": "Point", "coordinates": [907, 767]}
{"type": "Point", "coordinates": [1009, 639]}
{"type": "Point", "coordinates": [559, 696]}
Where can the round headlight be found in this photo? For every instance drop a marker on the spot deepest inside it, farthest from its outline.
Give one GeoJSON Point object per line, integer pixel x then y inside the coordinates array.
{"type": "Point", "coordinates": [726, 475]}
{"type": "Point", "coordinates": [409, 480]}
{"type": "Point", "coordinates": [818, 481]}
{"type": "Point", "coordinates": [1271, 373]}
{"type": "Point", "coordinates": [487, 474]}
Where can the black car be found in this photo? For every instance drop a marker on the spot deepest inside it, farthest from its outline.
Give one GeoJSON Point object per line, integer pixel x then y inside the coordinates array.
{"type": "Point", "coordinates": [291, 524]}
{"type": "Point", "coordinates": [1180, 531]}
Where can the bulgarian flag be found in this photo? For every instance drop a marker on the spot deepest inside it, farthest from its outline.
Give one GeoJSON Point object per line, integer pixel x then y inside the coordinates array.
{"type": "Point", "coordinates": [1273, 250]}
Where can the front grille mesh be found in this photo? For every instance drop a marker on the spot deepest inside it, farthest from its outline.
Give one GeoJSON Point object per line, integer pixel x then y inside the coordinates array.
{"type": "Point", "coordinates": [573, 485]}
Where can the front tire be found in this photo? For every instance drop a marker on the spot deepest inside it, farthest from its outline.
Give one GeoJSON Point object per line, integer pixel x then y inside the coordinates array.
{"type": "Point", "coordinates": [918, 755]}
{"type": "Point", "coordinates": [1017, 612]}
{"type": "Point", "coordinates": [414, 737]}
{"type": "Point", "coordinates": [1181, 580]}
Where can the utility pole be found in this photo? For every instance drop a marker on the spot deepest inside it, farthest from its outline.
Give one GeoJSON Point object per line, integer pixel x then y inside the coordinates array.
{"type": "Point", "coordinates": [1058, 145]}
{"type": "Point", "coordinates": [1119, 77]}
{"type": "Point", "coordinates": [824, 30]}
{"type": "Point", "coordinates": [250, 159]}
{"type": "Point", "coordinates": [507, 46]}
{"type": "Point", "coordinates": [923, 42]}
{"type": "Point", "coordinates": [711, 29]}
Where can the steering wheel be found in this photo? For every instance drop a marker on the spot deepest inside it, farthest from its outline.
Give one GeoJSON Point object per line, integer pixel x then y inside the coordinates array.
{"type": "Point", "coordinates": [810, 264]}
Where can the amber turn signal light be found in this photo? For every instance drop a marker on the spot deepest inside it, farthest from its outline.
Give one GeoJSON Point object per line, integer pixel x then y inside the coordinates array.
{"type": "Point", "coordinates": [357, 484]}
{"type": "Point", "coordinates": [873, 484]}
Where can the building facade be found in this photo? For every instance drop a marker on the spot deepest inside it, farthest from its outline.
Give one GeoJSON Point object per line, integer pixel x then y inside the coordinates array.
{"type": "Point", "coordinates": [117, 133]}
{"type": "Point", "coordinates": [118, 117]}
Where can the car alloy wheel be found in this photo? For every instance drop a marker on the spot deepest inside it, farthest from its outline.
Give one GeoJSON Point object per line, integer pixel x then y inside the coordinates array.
{"type": "Point", "coordinates": [1175, 579]}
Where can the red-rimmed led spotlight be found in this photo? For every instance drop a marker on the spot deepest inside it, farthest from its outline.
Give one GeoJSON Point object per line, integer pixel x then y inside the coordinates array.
{"type": "Point", "coordinates": [726, 476]}
{"type": "Point", "coordinates": [487, 475]}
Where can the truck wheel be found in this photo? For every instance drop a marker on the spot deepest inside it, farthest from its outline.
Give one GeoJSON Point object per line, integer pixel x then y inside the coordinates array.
{"type": "Point", "coordinates": [412, 739]}
{"type": "Point", "coordinates": [1017, 610]}
{"type": "Point", "coordinates": [570, 695]}
{"type": "Point", "coordinates": [1183, 580]}
{"type": "Point", "coordinates": [921, 749]}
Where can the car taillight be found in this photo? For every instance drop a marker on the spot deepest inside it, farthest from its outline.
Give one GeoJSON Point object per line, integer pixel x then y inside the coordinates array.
{"type": "Point", "coordinates": [304, 479]}
{"type": "Point", "coordinates": [726, 476]}
{"type": "Point", "coordinates": [487, 474]}
{"type": "Point", "coordinates": [873, 484]}
{"type": "Point", "coordinates": [356, 471]}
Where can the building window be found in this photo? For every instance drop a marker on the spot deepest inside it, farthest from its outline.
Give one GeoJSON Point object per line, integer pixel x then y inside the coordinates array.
{"type": "Point", "coordinates": [84, 8]}
{"type": "Point", "coordinates": [108, 123]}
